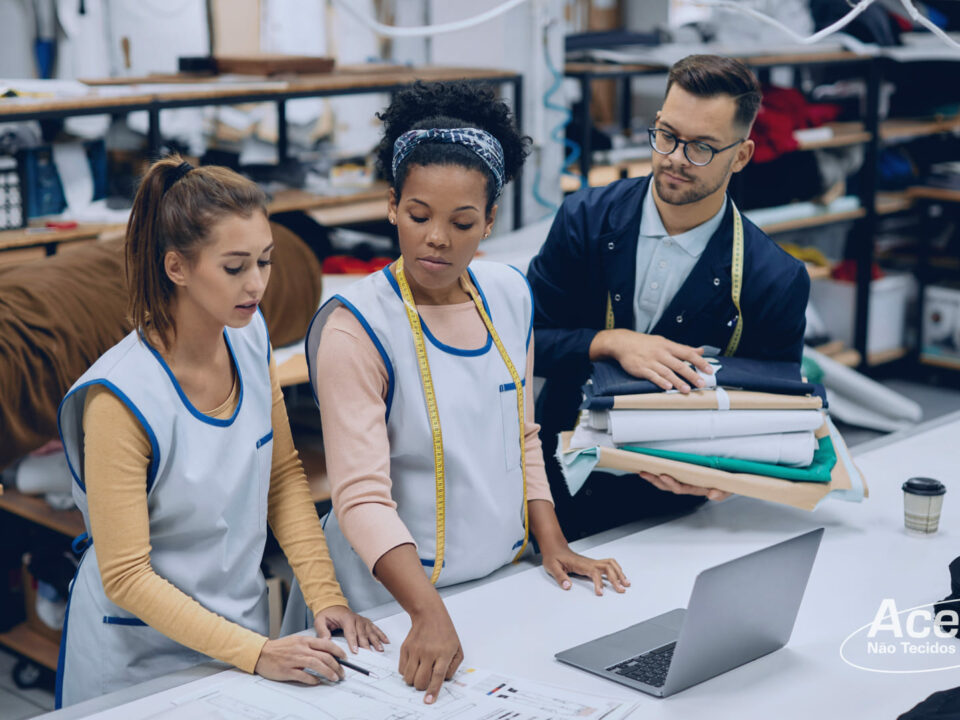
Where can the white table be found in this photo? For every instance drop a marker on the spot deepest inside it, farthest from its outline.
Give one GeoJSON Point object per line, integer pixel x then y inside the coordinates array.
{"type": "Point", "coordinates": [516, 621]}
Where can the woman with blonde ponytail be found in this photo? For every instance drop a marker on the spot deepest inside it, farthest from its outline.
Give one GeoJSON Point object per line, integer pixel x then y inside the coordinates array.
{"type": "Point", "coordinates": [181, 452]}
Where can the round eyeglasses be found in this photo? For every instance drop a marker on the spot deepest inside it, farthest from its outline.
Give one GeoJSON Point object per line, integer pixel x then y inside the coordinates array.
{"type": "Point", "coordinates": [696, 151]}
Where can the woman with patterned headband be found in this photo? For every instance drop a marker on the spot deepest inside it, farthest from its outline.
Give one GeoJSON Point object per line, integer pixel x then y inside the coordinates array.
{"type": "Point", "coordinates": [423, 377]}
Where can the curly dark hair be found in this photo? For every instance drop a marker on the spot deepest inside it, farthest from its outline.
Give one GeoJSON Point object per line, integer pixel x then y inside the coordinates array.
{"type": "Point", "coordinates": [449, 105]}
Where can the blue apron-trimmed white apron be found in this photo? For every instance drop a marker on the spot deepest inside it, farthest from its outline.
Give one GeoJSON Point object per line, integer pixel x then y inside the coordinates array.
{"type": "Point", "coordinates": [477, 404]}
{"type": "Point", "coordinates": [207, 489]}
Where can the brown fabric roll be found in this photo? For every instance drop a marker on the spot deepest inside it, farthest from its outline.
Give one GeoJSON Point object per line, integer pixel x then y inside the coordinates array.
{"type": "Point", "coordinates": [293, 295]}
{"type": "Point", "coordinates": [59, 314]}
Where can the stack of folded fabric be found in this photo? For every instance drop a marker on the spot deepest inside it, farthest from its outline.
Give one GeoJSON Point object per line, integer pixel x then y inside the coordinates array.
{"type": "Point", "coordinates": [756, 428]}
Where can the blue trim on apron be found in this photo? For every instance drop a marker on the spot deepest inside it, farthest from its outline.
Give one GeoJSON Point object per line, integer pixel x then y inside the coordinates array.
{"type": "Point", "coordinates": [450, 349]}
{"type": "Point", "coordinates": [186, 401]}
{"type": "Point", "coordinates": [376, 342]}
{"type": "Point", "coordinates": [61, 656]}
{"type": "Point", "coordinates": [265, 439]}
{"type": "Point", "coordinates": [533, 302]}
{"type": "Point", "coordinates": [154, 446]}
{"type": "Point", "coordinates": [267, 331]}
{"type": "Point", "coordinates": [114, 620]}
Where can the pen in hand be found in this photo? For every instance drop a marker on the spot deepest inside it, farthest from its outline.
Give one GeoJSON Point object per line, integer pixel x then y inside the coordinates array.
{"type": "Point", "coordinates": [347, 663]}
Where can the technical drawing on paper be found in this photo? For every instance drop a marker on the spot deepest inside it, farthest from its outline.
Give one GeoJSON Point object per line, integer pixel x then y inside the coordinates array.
{"type": "Point", "coordinates": [470, 695]}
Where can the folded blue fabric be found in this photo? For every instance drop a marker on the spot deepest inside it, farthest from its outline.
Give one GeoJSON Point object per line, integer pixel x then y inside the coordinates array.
{"type": "Point", "coordinates": [608, 380]}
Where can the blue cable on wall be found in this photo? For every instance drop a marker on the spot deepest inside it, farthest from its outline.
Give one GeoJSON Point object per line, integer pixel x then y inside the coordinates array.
{"type": "Point", "coordinates": [558, 134]}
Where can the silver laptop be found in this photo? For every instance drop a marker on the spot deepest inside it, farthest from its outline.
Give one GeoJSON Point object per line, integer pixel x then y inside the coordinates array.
{"type": "Point", "coordinates": [738, 611]}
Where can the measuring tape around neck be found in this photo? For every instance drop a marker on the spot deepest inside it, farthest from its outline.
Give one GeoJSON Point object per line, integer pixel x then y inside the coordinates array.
{"type": "Point", "coordinates": [426, 379]}
{"type": "Point", "coordinates": [736, 276]}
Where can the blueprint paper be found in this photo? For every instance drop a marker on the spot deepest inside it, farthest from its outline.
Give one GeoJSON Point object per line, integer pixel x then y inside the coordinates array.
{"type": "Point", "coordinates": [472, 694]}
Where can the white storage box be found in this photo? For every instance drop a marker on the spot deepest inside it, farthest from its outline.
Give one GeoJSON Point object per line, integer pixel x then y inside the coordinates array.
{"type": "Point", "coordinates": [941, 325]}
{"type": "Point", "coordinates": [835, 301]}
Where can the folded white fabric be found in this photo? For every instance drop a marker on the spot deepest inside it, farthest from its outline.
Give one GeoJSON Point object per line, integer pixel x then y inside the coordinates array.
{"type": "Point", "coordinates": [642, 426]}
{"type": "Point", "coordinates": [793, 449]}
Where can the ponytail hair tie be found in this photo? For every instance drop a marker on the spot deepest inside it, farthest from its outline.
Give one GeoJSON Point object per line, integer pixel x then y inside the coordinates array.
{"type": "Point", "coordinates": [175, 175]}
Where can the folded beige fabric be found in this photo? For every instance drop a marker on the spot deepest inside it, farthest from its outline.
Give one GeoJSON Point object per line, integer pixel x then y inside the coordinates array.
{"type": "Point", "coordinates": [709, 400]}
{"type": "Point", "coordinates": [803, 495]}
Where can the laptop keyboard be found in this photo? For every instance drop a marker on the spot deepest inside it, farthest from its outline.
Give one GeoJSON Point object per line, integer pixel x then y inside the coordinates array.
{"type": "Point", "coordinates": [650, 668]}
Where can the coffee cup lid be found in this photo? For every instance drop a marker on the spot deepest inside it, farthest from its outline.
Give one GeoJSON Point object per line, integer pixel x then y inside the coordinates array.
{"type": "Point", "coordinates": [924, 486]}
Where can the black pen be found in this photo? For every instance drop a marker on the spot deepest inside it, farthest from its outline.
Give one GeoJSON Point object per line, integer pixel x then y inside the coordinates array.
{"type": "Point", "coordinates": [347, 663]}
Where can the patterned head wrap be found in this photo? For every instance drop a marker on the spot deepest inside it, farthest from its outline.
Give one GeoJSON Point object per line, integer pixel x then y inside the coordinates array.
{"type": "Point", "coordinates": [485, 145]}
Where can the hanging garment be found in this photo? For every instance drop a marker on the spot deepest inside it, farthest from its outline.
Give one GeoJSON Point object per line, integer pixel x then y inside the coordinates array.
{"type": "Point", "coordinates": [207, 490]}
{"type": "Point", "coordinates": [477, 406]}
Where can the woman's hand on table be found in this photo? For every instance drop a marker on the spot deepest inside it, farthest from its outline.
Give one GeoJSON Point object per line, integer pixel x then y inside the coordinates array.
{"type": "Point", "coordinates": [431, 652]}
{"type": "Point", "coordinates": [290, 658]}
{"type": "Point", "coordinates": [358, 631]}
{"type": "Point", "coordinates": [561, 562]}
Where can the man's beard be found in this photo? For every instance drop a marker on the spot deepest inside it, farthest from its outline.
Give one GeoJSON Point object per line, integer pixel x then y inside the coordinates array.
{"type": "Point", "coordinates": [694, 192]}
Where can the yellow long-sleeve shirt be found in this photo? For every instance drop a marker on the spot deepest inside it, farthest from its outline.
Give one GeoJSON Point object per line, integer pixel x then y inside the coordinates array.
{"type": "Point", "coordinates": [117, 455]}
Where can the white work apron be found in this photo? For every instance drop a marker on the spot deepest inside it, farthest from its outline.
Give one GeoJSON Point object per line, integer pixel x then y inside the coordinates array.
{"type": "Point", "coordinates": [477, 405]}
{"type": "Point", "coordinates": [207, 489]}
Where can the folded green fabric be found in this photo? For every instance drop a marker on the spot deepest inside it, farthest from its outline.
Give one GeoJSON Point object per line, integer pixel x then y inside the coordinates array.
{"type": "Point", "coordinates": [824, 458]}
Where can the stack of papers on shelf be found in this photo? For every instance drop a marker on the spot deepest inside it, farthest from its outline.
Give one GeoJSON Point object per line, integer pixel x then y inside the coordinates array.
{"type": "Point", "coordinates": [756, 428]}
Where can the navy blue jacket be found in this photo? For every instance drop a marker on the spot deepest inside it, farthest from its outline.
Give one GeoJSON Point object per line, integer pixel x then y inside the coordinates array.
{"type": "Point", "coordinates": [591, 251]}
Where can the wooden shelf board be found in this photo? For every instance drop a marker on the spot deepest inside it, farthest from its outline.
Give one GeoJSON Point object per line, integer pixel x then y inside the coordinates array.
{"type": "Point", "coordinates": [357, 212]}
{"type": "Point", "coordinates": [362, 206]}
{"type": "Point", "coordinates": [817, 272]}
{"type": "Point", "coordinates": [588, 67]}
{"type": "Point", "coordinates": [940, 362]}
{"type": "Point", "coordinates": [892, 202]}
{"type": "Point", "coordinates": [838, 352]}
{"type": "Point", "coordinates": [848, 357]}
{"type": "Point", "coordinates": [886, 356]}
{"type": "Point", "coordinates": [30, 237]}
{"type": "Point", "coordinates": [928, 192]}
{"type": "Point", "coordinates": [844, 134]}
{"type": "Point", "coordinates": [24, 641]}
{"type": "Point", "coordinates": [900, 128]}
{"type": "Point", "coordinates": [813, 221]}
{"type": "Point", "coordinates": [293, 371]}
{"type": "Point", "coordinates": [36, 509]}
{"type": "Point", "coordinates": [293, 199]}
{"type": "Point", "coordinates": [601, 175]}
{"type": "Point", "coordinates": [342, 79]}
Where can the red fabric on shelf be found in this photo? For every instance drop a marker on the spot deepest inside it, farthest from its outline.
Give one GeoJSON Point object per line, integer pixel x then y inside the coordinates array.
{"type": "Point", "coordinates": [783, 111]}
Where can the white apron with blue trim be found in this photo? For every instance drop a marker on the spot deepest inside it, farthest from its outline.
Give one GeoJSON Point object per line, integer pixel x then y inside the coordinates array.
{"type": "Point", "coordinates": [207, 497]}
{"type": "Point", "coordinates": [477, 404]}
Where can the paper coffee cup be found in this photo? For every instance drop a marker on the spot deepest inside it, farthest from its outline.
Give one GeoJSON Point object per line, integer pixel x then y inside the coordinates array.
{"type": "Point", "coordinates": [922, 500]}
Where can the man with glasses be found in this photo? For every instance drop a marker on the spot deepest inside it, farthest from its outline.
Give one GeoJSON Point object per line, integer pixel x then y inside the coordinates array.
{"type": "Point", "coordinates": [642, 271]}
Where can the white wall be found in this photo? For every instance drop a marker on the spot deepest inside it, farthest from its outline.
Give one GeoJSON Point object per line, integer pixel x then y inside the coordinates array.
{"type": "Point", "coordinates": [514, 41]}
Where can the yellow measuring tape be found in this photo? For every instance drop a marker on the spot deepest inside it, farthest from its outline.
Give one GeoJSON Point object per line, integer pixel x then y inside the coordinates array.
{"type": "Point", "coordinates": [736, 275]}
{"type": "Point", "coordinates": [430, 396]}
